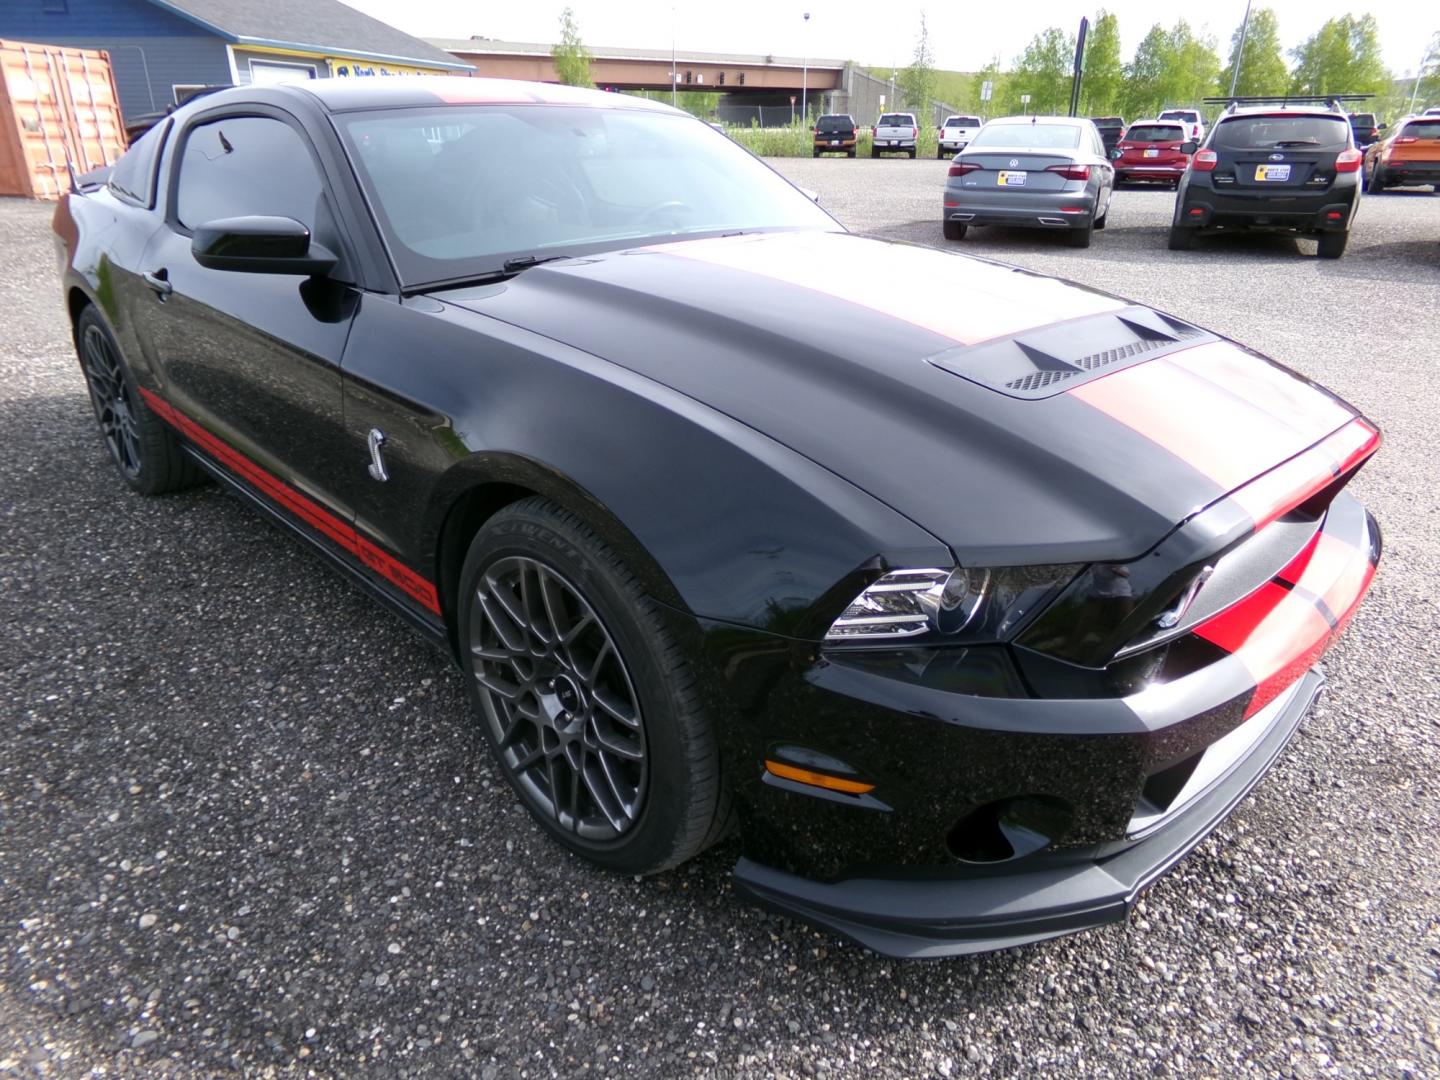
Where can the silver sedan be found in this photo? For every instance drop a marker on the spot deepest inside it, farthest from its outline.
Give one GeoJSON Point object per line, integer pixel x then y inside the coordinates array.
{"type": "Point", "coordinates": [1041, 172]}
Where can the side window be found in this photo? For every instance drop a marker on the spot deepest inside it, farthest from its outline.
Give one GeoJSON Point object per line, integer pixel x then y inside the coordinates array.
{"type": "Point", "coordinates": [133, 177]}
{"type": "Point", "coordinates": [248, 165]}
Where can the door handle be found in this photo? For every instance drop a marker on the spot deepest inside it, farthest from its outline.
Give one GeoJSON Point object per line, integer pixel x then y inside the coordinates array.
{"type": "Point", "coordinates": [159, 281]}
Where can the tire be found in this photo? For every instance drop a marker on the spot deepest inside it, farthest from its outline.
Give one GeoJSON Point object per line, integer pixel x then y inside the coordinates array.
{"type": "Point", "coordinates": [1181, 239]}
{"type": "Point", "coordinates": [940, 155]}
{"type": "Point", "coordinates": [874, 153]}
{"type": "Point", "coordinates": [912, 155]}
{"type": "Point", "coordinates": [1377, 181]}
{"type": "Point", "coordinates": [1101, 221]}
{"type": "Point", "coordinates": [850, 153]}
{"type": "Point", "coordinates": [1080, 238]}
{"type": "Point", "coordinates": [817, 153]}
{"type": "Point", "coordinates": [1332, 244]}
{"type": "Point", "coordinates": [633, 815]}
{"type": "Point", "coordinates": [954, 230]}
{"type": "Point", "coordinates": [146, 452]}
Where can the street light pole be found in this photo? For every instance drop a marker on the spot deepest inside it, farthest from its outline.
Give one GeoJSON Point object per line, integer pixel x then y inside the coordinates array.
{"type": "Point", "coordinates": [1240, 54]}
{"type": "Point", "coordinates": [805, 76]}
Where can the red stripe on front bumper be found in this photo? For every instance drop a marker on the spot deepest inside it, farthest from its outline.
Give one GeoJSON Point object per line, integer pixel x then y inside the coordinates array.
{"type": "Point", "coordinates": [317, 517]}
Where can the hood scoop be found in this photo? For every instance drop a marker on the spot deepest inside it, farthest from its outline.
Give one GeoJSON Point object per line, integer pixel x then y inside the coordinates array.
{"type": "Point", "coordinates": [1045, 362]}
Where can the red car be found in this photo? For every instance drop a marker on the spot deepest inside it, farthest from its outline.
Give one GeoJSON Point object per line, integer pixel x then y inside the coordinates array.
{"type": "Point", "coordinates": [1150, 151]}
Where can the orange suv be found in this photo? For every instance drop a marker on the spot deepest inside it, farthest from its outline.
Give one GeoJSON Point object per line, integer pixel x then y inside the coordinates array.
{"type": "Point", "coordinates": [1409, 155]}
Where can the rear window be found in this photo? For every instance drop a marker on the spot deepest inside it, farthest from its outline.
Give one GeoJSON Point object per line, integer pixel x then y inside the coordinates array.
{"type": "Point", "coordinates": [835, 123]}
{"type": "Point", "coordinates": [1155, 133]}
{"type": "Point", "coordinates": [896, 119]}
{"type": "Point", "coordinates": [1107, 121]}
{"type": "Point", "coordinates": [1423, 129]}
{"type": "Point", "coordinates": [133, 177]}
{"type": "Point", "coordinates": [1036, 136]}
{"type": "Point", "coordinates": [963, 121]}
{"type": "Point", "coordinates": [1283, 132]}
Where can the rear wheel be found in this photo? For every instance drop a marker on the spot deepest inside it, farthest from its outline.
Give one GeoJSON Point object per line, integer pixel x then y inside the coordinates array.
{"type": "Point", "coordinates": [912, 155]}
{"type": "Point", "coordinates": [850, 153]}
{"type": "Point", "coordinates": [1080, 238]}
{"type": "Point", "coordinates": [1332, 244]}
{"type": "Point", "coordinates": [146, 452]}
{"type": "Point", "coordinates": [1181, 238]}
{"type": "Point", "coordinates": [940, 154]}
{"type": "Point", "coordinates": [590, 708]}
{"type": "Point", "coordinates": [874, 153]}
{"type": "Point", "coordinates": [954, 230]}
{"type": "Point", "coordinates": [817, 153]}
{"type": "Point", "coordinates": [1377, 180]}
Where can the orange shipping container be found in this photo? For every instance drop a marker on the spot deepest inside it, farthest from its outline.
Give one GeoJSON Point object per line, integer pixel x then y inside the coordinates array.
{"type": "Point", "coordinates": [58, 109]}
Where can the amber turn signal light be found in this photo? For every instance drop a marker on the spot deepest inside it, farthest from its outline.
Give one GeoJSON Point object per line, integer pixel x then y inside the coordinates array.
{"type": "Point", "coordinates": [805, 776]}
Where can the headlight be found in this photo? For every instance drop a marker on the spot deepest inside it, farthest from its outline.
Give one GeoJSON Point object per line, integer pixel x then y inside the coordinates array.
{"type": "Point", "coordinates": [941, 604]}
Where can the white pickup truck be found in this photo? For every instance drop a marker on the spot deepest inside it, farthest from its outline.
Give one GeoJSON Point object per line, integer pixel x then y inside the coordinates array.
{"type": "Point", "coordinates": [896, 133]}
{"type": "Point", "coordinates": [956, 133]}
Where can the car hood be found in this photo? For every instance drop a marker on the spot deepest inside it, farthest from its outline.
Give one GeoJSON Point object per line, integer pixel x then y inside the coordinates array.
{"type": "Point", "coordinates": [1019, 418]}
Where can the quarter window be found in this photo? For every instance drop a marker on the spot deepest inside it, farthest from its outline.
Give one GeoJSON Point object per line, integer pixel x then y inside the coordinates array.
{"type": "Point", "coordinates": [246, 165]}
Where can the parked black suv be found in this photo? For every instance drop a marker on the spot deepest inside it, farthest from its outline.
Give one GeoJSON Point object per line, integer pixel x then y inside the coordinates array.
{"type": "Point", "coordinates": [1365, 129]}
{"type": "Point", "coordinates": [1287, 168]}
{"type": "Point", "coordinates": [1111, 128]}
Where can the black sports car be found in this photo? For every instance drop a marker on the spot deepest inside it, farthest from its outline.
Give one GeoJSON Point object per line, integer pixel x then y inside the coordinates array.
{"type": "Point", "coordinates": [973, 599]}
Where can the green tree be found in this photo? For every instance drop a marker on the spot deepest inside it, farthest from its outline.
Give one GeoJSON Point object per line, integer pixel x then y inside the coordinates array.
{"type": "Point", "coordinates": [572, 59]}
{"type": "Point", "coordinates": [1343, 57]}
{"type": "Point", "coordinates": [1104, 74]}
{"type": "Point", "coordinates": [1262, 69]}
{"type": "Point", "coordinates": [1429, 91]}
{"type": "Point", "coordinates": [1043, 72]}
{"type": "Point", "coordinates": [917, 82]}
{"type": "Point", "coordinates": [1144, 91]}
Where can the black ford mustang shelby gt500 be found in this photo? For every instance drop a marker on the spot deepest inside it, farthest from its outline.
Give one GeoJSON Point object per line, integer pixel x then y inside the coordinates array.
{"type": "Point", "coordinates": [974, 599]}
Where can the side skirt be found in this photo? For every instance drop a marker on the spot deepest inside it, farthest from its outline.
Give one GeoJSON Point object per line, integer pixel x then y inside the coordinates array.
{"type": "Point", "coordinates": [427, 626]}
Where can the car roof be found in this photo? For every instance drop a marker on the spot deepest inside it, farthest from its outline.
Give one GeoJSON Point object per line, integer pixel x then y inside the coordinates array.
{"type": "Point", "coordinates": [1283, 110]}
{"type": "Point", "coordinates": [402, 91]}
{"type": "Point", "coordinates": [1058, 121]}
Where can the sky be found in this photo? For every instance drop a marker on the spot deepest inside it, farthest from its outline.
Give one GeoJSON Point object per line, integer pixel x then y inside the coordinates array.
{"type": "Point", "coordinates": [963, 37]}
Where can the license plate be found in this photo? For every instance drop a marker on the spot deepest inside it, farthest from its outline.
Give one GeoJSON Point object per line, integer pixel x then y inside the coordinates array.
{"type": "Point", "coordinates": [1152, 153]}
{"type": "Point", "coordinates": [1011, 179]}
{"type": "Point", "coordinates": [1272, 172]}
{"type": "Point", "coordinates": [893, 142]}
{"type": "Point", "coordinates": [834, 142]}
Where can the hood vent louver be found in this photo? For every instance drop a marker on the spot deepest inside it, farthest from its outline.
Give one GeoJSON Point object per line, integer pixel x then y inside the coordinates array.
{"type": "Point", "coordinates": [1044, 362]}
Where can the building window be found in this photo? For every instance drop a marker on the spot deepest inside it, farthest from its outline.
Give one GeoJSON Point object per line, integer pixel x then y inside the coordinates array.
{"type": "Point", "coordinates": [271, 71]}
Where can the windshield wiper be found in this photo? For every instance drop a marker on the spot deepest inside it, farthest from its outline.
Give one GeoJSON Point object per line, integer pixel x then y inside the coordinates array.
{"type": "Point", "coordinates": [1295, 142]}
{"type": "Point", "coordinates": [525, 262]}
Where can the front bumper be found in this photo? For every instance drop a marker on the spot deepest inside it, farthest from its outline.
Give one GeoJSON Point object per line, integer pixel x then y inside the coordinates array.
{"type": "Point", "coordinates": [1110, 790]}
{"type": "Point", "coordinates": [936, 916]}
{"type": "Point", "coordinates": [1323, 211]}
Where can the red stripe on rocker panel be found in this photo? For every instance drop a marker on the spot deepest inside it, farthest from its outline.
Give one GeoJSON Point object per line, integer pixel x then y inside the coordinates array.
{"type": "Point", "coordinates": [323, 521]}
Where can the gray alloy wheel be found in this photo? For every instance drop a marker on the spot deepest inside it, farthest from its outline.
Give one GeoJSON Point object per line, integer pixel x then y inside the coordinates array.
{"type": "Point", "coordinates": [589, 705]}
{"type": "Point", "coordinates": [145, 451]}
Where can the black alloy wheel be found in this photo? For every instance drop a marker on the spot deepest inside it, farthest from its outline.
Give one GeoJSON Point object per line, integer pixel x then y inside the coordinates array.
{"type": "Point", "coordinates": [559, 699]}
{"type": "Point", "coordinates": [590, 706]}
{"type": "Point", "coordinates": [112, 398]}
{"type": "Point", "coordinates": [147, 453]}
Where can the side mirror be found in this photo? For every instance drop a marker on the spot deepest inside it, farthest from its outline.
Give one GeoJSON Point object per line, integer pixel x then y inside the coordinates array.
{"type": "Point", "coordinates": [1189, 147]}
{"type": "Point", "coordinates": [1116, 154]}
{"type": "Point", "coordinates": [260, 245]}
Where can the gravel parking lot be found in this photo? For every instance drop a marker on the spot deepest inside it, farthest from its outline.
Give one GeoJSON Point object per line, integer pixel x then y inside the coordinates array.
{"type": "Point", "coordinates": [246, 823]}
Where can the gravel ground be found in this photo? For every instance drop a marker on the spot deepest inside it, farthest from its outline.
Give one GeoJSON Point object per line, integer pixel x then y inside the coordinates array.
{"type": "Point", "coordinates": [246, 824]}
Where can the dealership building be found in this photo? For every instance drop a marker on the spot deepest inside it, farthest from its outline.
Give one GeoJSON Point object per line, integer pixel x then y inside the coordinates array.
{"type": "Point", "coordinates": [163, 50]}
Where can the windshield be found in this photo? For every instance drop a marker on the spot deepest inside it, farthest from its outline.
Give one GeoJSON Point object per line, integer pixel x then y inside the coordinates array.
{"type": "Point", "coordinates": [458, 190]}
{"type": "Point", "coordinates": [1274, 132]}
{"type": "Point", "coordinates": [1155, 133]}
{"type": "Point", "coordinates": [897, 120]}
{"type": "Point", "coordinates": [1038, 136]}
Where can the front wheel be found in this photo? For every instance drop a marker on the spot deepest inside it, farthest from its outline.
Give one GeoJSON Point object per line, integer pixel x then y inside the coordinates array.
{"type": "Point", "coordinates": [589, 705]}
{"type": "Point", "coordinates": [954, 230]}
{"type": "Point", "coordinates": [1332, 244]}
